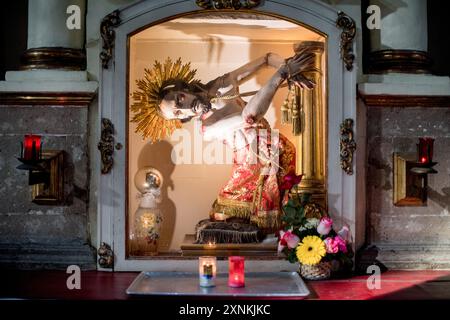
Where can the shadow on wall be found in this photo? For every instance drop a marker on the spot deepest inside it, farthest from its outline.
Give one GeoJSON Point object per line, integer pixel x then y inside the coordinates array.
{"type": "Point", "coordinates": [367, 257]}
{"type": "Point", "coordinates": [158, 155]}
{"type": "Point", "coordinates": [443, 199]}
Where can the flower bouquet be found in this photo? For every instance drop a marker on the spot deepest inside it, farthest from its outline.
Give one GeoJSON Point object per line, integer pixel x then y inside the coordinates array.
{"type": "Point", "coordinates": [308, 237]}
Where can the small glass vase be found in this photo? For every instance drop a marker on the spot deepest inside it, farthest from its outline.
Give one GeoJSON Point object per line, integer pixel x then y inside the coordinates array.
{"type": "Point", "coordinates": [320, 271]}
{"type": "Point", "coordinates": [147, 232]}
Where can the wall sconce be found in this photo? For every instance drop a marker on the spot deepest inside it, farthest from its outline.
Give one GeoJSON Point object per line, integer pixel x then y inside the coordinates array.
{"type": "Point", "coordinates": [45, 170]}
{"type": "Point", "coordinates": [411, 174]}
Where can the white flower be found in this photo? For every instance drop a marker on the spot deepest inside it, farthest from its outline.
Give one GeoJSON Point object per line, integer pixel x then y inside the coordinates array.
{"type": "Point", "coordinates": [325, 225]}
{"type": "Point", "coordinates": [311, 223]}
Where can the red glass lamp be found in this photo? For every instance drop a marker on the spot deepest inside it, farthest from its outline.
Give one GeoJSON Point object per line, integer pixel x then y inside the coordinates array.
{"type": "Point", "coordinates": [424, 163]}
{"type": "Point", "coordinates": [425, 150]}
{"type": "Point", "coordinates": [236, 272]}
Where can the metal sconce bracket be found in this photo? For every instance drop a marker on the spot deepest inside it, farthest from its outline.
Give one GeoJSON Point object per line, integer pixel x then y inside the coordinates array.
{"type": "Point", "coordinates": [410, 180]}
{"type": "Point", "coordinates": [48, 185]}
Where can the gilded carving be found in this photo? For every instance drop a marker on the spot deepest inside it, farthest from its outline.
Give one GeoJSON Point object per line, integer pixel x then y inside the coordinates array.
{"type": "Point", "coordinates": [106, 145]}
{"type": "Point", "coordinates": [348, 146]}
{"type": "Point", "coordinates": [348, 27]}
{"type": "Point", "coordinates": [108, 35]}
{"type": "Point", "coordinates": [106, 256]}
{"type": "Point", "coordinates": [228, 4]}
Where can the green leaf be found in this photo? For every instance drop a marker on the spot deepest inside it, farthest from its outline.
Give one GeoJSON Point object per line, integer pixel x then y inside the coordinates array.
{"type": "Point", "coordinates": [290, 211]}
{"type": "Point", "coordinates": [306, 198]}
{"type": "Point", "coordinates": [292, 257]}
{"type": "Point", "coordinates": [291, 203]}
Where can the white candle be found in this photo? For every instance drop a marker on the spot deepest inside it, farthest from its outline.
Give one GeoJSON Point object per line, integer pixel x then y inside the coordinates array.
{"type": "Point", "coordinates": [207, 268]}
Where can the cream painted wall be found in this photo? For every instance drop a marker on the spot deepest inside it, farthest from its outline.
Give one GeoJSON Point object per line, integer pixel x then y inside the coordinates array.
{"type": "Point", "coordinates": [213, 49]}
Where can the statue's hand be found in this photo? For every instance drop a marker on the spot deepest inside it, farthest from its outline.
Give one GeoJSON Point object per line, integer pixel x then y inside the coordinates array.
{"type": "Point", "coordinates": [274, 60]}
{"type": "Point", "coordinates": [295, 67]}
{"type": "Point", "coordinates": [249, 119]}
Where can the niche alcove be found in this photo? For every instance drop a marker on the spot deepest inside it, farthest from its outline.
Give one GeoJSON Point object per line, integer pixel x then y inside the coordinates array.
{"type": "Point", "coordinates": [216, 42]}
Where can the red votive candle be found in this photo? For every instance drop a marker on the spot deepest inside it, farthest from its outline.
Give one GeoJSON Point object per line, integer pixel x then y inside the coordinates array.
{"type": "Point", "coordinates": [425, 150]}
{"type": "Point", "coordinates": [32, 147]}
{"type": "Point", "coordinates": [236, 276]}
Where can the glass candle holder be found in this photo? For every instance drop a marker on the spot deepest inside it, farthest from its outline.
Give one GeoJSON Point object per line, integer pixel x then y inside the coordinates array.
{"type": "Point", "coordinates": [31, 147]}
{"type": "Point", "coordinates": [236, 275]}
{"type": "Point", "coordinates": [207, 268]}
{"type": "Point", "coordinates": [425, 150]}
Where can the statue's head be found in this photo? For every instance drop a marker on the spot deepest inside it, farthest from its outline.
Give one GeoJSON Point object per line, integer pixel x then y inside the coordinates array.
{"type": "Point", "coordinates": [166, 96]}
{"type": "Point", "coordinates": [181, 100]}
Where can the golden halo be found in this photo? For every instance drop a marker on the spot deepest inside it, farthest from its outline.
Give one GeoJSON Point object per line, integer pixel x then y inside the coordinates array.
{"type": "Point", "coordinates": [147, 98]}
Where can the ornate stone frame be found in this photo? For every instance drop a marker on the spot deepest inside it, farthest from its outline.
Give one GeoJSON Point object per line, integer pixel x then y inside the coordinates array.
{"type": "Point", "coordinates": [342, 198]}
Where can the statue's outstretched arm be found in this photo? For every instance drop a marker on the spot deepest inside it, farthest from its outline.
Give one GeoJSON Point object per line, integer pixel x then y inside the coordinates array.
{"type": "Point", "coordinates": [244, 72]}
{"type": "Point", "coordinates": [292, 70]}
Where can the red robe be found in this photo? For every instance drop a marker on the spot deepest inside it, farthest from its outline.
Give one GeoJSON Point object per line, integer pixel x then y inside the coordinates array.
{"type": "Point", "coordinates": [253, 190]}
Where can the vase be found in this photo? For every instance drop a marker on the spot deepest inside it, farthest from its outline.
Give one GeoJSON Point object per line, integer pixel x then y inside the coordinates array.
{"type": "Point", "coordinates": [147, 232]}
{"type": "Point", "coordinates": [320, 271]}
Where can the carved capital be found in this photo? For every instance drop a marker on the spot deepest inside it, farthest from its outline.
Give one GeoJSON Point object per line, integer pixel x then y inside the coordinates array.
{"type": "Point", "coordinates": [228, 4]}
{"type": "Point", "coordinates": [347, 146]}
{"type": "Point", "coordinates": [348, 27]}
{"type": "Point", "coordinates": [108, 34]}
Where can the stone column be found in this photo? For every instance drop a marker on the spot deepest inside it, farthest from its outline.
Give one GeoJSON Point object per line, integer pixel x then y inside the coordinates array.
{"type": "Point", "coordinates": [311, 148]}
{"type": "Point", "coordinates": [51, 43]}
{"type": "Point", "coordinates": [401, 43]}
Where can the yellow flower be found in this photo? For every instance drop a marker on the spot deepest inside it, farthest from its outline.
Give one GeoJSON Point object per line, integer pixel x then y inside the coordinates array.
{"type": "Point", "coordinates": [311, 250]}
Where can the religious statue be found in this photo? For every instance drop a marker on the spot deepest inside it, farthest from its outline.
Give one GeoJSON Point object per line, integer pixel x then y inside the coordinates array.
{"type": "Point", "coordinates": [248, 206]}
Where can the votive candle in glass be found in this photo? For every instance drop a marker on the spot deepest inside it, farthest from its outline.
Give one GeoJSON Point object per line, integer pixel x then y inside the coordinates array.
{"type": "Point", "coordinates": [32, 147]}
{"type": "Point", "coordinates": [425, 150]}
{"type": "Point", "coordinates": [236, 268]}
{"type": "Point", "coordinates": [207, 268]}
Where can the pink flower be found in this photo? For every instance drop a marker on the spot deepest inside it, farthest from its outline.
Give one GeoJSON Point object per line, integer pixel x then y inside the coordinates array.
{"type": "Point", "coordinates": [324, 226]}
{"type": "Point", "coordinates": [342, 245]}
{"type": "Point", "coordinates": [287, 238]}
{"type": "Point", "coordinates": [331, 245]}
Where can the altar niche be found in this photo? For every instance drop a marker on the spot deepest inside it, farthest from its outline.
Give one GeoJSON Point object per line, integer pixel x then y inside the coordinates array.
{"type": "Point", "coordinates": [193, 169]}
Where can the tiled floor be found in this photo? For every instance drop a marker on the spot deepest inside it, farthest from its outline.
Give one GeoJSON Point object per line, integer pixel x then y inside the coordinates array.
{"type": "Point", "coordinates": [398, 285]}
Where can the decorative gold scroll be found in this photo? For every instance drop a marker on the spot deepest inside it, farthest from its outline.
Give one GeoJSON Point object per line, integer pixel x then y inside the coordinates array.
{"type": "Point", "coordinates": [348, 146]}
{"type": "Point", "coordinates": [108, 34]}
{"type": "Point", "coordinates": [348, 27]}
{"type": "Point", "coordinates": [228, 4]}
{"type": "Point", "coordinates": [106, 145]}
